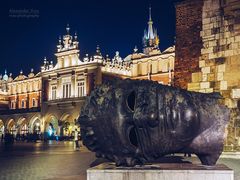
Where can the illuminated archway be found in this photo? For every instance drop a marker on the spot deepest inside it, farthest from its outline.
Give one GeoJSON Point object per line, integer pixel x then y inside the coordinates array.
{"type": "Point", "coordinates": [35, 124]}
{"type": "Point", "coordinates": [22, 126]}
{"type": "Point", "coordinates": [11, 127]}
{"type": "Point", "coordinates": [51, 126]}
{"type": "Point", "coordinates": [66, 125]}
{"type": "Point", "coordinates": [36, 127]}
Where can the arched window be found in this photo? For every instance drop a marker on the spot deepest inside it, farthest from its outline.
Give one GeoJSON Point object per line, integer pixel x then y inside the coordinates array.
{"type": "Point", "coordinates": [34, 104]}
{"type": "Point", "coordinates": [13, 104]}
{"type": "Point", "coordinates": [23, 103]}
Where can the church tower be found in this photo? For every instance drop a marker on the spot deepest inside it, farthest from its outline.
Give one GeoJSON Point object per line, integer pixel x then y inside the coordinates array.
{"type": "Point", "coordinates": [150, 38]}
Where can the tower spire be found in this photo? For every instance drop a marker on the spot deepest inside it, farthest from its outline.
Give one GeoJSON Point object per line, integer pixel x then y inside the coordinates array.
{"type": "Point", "coordinates": [68, 29]}
{"type": "Point", "coordinates": [150, 13]}
{"type": "Point", "coordinates": [150, 25]}
{"type": "Point", "coordinates": [150, 37]}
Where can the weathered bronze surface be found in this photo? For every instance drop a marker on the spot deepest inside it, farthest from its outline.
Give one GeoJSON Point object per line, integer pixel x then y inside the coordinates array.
{"type": "Point", "coordinates": [133, 122]}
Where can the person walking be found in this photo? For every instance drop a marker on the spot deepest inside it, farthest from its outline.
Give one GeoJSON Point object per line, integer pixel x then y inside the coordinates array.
{"type": "Point", "coordinates": [76, 140]}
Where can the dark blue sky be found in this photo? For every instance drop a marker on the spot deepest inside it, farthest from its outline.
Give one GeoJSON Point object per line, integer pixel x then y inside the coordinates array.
{"type": "Point", "coordinates": [114, 25]}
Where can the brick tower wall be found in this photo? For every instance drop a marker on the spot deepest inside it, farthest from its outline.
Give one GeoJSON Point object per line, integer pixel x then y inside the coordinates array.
{"type": "Point", "coordinates": [188, 40]}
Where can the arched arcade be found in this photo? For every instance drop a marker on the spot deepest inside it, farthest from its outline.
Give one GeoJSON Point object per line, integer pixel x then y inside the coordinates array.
{"type": "Point", "coordinates": [11, 127]}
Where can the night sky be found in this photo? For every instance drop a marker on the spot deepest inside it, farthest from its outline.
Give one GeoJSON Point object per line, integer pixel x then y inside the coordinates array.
{"type": "Point", "coordinates": [116, 25]}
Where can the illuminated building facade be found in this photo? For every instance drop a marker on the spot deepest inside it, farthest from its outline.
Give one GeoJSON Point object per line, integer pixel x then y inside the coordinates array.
{"type": "Point", "coordinates": [66, 85]}
{"type": "Point", "coordinates": [150, 64]}
{"type": "Point", "coordinates": [21, 102]}
{"type": "Point", "coordinates": [50, 101]}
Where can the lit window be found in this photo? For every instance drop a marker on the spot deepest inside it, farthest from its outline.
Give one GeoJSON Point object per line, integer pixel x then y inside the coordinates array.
{"type": "Point", "coordinates": [19, 89]}
{"type": "Point", "coordinates": [66, 87]}
{"type": "Point", "coordinates": [67, 90]}
{"type": "Point", "coordinates": [81, 89]}
{"type": "Point", "coordinates": [35, 86]}
{"type": "Point", "coordinates": [23, 103]}
{"type": "Point", "coordinates": [54, 92]}
{"type": "Point", "coordinates": [24, 87]}
{"type": "Point", "coordinates": [30, 86]}
{"type": "Point", "coordinates": [33, 102]}
{"type": "Point", "coordinates": [12, 104]}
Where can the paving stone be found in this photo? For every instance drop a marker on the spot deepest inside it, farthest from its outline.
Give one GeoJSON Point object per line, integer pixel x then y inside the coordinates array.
{"type": "Point", "coordinates": [59, 161]}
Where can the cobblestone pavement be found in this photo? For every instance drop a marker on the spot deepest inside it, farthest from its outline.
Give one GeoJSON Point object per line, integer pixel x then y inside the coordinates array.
{"type": "Point", "coordinates": [57, 160]}
{"type": "Point", "coordinates": [31, 161]}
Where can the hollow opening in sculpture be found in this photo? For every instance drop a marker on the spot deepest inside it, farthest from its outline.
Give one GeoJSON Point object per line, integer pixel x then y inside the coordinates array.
{"type": "Point", "coordinates": [131, 100]}
{"type": "Point", "coordinates": [133, 136]}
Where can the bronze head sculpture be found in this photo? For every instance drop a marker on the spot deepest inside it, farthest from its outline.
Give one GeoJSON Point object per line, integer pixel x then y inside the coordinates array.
{"type": "Point", "coordinates": [132, 122]}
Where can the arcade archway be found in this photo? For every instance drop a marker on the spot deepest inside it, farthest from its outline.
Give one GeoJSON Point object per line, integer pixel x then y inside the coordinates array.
{"type": "Point", "coordinates": [11, 127]}
{"type": "Point", "coordinates": [36, 126]}
{"type": "Point", "coordinates": [51, 126]}
{"type": "Point", "coordinates": [66, 125]}
{"type": "Point", "coordinates": [23, 127]}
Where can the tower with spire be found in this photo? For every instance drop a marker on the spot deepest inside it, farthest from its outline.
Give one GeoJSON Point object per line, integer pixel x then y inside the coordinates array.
{"type": "Point", "coordinates": [150, 38]}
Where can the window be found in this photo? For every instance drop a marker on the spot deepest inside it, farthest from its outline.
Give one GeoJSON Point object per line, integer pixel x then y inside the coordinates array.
{"type": "Point", "coordinates": [24, 87]}
{"type": "Point", "coordinates": [35, 85]}
{"type": "Point", "coordinates": [12, 104]}
{"type": "Point", "coordinates": [23, 103]}
{"type": "Point", "coordinates": [81, 89]}
{"type": "Point", "coordinates": [66, 87]}
{"type": "Point", "coordinates": [67, 90]}
{"type": "Point", "coordinates": [30, 87]}
{"type": "Point", "coordinates": [34, 104]}
{"type": "Point", "coordinates": [54, 92]}
{"type": "Point", "coordinates": [19, 89]}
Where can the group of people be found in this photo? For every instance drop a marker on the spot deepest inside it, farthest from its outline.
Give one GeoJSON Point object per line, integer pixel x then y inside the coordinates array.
{"type": "Point", "coordinates": [29, 137]}
{"type": "Point", "coordinates": [9, 138]}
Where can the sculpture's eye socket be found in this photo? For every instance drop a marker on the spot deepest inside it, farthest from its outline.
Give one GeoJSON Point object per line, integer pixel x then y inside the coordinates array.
{"type": "Point", "coordinates": [133, 136]}
{"type": "Point", "coordinates": [131, 101]}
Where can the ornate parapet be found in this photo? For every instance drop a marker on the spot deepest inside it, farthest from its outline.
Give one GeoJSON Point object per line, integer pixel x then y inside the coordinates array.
{"type": "Point", "coordinates": [119, 68]}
